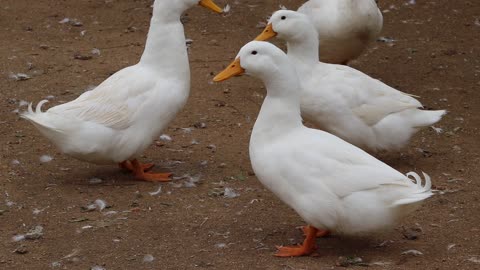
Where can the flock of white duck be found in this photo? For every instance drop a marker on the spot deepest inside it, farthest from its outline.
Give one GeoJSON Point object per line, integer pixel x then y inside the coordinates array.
{"type": "Point", "coordinates": [327, 178]}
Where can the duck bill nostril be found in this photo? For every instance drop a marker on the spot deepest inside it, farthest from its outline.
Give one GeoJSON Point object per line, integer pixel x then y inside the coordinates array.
{"type": "Point", "coordinates": [267, 34]}
{"type": "Point", "coordinates": [232, 70]}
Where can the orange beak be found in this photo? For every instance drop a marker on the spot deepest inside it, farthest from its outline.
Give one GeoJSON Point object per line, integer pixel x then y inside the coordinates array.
{"type": "Point", "coordinates": [234, 69]}
{"type": "Point", "coordinates": [267, 34]}
{"type": "Point", "coordinates": [210, 5]}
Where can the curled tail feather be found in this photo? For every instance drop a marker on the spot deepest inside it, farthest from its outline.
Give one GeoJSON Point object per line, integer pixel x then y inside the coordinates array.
{"type": "Point", "coordinates": [418, 180]}
{"type": "Point", "coordinates": [421, 193]}
{"type": "Point", "coordinates": [38, 118]}
{"type": "Point", "coordinates": [38, 109]}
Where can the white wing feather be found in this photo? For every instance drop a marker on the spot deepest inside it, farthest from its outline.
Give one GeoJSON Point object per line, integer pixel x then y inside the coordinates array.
{"type": "Point", "coordinates": [323, 159]}
{"type": "Point", "coordinates": [369, 99]}
{"type": "Point", "coordinates": [113, 102]}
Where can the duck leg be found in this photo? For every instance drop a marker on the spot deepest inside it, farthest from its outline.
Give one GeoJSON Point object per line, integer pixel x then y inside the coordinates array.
{"type": "Point", "coordinates": [127, 165]}
{"type": "Point", "coordinates": [139, 170]}
{"type": "Point", "coordinates": [320, 233]}
{"type": "Point", "coordinates": [307, 248]}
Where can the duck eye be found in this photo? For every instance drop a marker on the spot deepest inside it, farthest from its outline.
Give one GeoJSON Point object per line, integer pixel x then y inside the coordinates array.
{"type": "Point", "coordinates": [284, 17]}
{"type": "Point", "coordinates": [254, 52]}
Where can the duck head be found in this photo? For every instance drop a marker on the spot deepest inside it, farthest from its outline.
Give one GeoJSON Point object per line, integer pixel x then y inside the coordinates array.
{"type": "Point", "coordinates": [259, 59]}
{"type": "Point", "coordinates": [183, 5]}
{"type": "Point", "coordinates": [287, 25]}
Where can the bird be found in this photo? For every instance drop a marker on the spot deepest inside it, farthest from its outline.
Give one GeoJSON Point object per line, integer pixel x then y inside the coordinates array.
{"type": "Point", "coordinates": [344, 101]}
{"type": "Point", "coordinates": [333, 185]}
{"type": "Point", "coordinates": [117, 120]}
{"type": "Point", "coordinates": [345, 27]}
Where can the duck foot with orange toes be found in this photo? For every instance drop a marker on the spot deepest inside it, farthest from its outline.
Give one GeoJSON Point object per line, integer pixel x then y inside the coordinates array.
{"type": "Point", "coordinates": [141, 171]}
{"type": "Point", "coordinates": [308, 246]}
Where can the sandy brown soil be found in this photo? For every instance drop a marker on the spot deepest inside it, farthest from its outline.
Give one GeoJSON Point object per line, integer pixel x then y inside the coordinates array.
{"type": "Point", "coordinates": [436, 56]}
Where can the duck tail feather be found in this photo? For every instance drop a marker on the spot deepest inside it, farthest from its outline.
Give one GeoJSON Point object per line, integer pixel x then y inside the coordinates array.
{"type": "Point", "coordinates": [421, 193]}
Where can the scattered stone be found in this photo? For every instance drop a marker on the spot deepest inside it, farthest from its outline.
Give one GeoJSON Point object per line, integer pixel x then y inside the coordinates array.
{"type": "Point", "coordinates": [200, 125]}
{"type": "Point", "coordinates": [193, 142]}
{"type": "Point", "coordinates": [37, 211]}
{"type": "Point", "coordinates": [73, 22]}
{"type": "Point", "coordinates": [80, 56]}
{"type": "Point", "coordinates": [56, 264]}
{"type": "Point", "coordinates": [19, 76]}
{"type": "Point", "coordinates": [35, 233]}
{"type": "Point", "coordinates": [15, 162]}
{"type": "Point", "coordinates": [96, 51]}
{"type": "Point", "coordinates": [230, 193]}
{"type": "Point", "coordinates": [22, 249]}
{"type": "Point", "coordinates": [386, 39]}
{"type": "Point", "coordinates": [100, 204]}
{"type": "Point", "coordinates": [187, 130]}
{"type": "Point", "coordinates": [412, 233]}
{"type": "Point", "coordinates": [412, 252]}
{"type": "Point", "coordinates": [216, 192]}
{"type": "Point", "coordinates": [212, 147]}
{"type": "Point", "coordinates": [45, 158]}
{"type": "Point", "coordinates": [221, 245]}
{"type": "Point", "coordinates": [80, 219]}
{"type": "Point", "coordinates": [95, 181]}
{"type": "Point", "coordinates": [165, 138]}
{"type": "Point", "coordinates": [148, 258]}
{"type": "Point", "coordinates": [220, 103]}
{"type": "Point", "coordinates": [350, 261]}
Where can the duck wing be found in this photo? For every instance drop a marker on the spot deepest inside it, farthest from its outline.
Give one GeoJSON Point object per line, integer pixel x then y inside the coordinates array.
{"type": "Point", "coordinates": [113, 103]}
{"type": "Point", "coordinates": [322, 160]}
{"type": "Point", "coordinates": [369, 99]}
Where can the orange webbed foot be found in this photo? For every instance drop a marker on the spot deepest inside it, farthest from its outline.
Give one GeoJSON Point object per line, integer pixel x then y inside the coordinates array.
{"type": "Point", "coordinates": [154, 177]}
{"type": "Point", "coordinates": [307, 248]}
{"type": "Point", "coordinates": [295, 251]}
{"type": "Point", "coordinates": [140, 171]}
{"type": "Point", "coordinates": [320, 233]}
{"type": "Point", "coordinates": [127, 165]}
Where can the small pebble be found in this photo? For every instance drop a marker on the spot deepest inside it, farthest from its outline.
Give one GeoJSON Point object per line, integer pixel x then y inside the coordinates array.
{"type": "Point", "coordinates": [46, 158]}
{"type": "Point", "coordinates": [148, 258]}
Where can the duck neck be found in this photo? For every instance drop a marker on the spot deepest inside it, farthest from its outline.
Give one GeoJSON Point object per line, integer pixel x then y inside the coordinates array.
{"type": "Point", "coordinates": [280, 110]}
{"type": "Point", "coordinates": [305, 49]}
{"type": "Point", "coordinates": [165, 47]}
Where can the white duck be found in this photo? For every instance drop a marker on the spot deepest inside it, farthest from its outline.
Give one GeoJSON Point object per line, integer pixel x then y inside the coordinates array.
{"type": "Point", "coordinates": [333, 185]}
{"type": "Point", "coordinates": [342, 100]}
{"type": "Point", "coordinates": [120, 118]}
{"type": "Point", "coordinates": [345, 27]}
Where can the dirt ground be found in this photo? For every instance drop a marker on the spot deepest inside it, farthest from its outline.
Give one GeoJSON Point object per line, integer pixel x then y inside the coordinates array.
{"type": "Point", "coordinates": [190, 224]}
